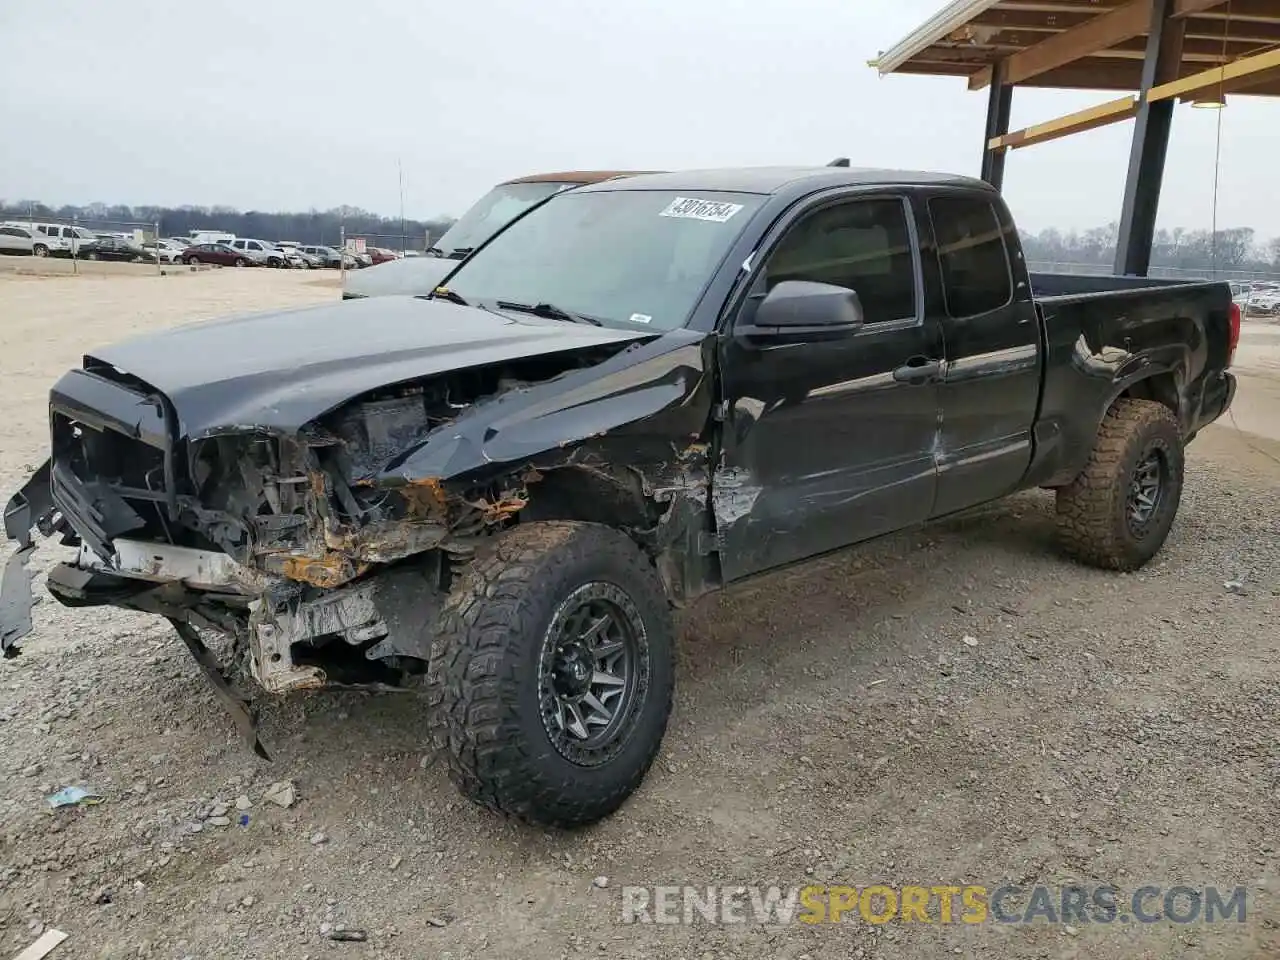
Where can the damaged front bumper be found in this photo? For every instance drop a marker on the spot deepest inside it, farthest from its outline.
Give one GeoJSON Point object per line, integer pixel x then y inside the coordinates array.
{"type": "Point", "coordinates": [365, 634]}
{"type": "Point", "coordinates": [30, 508]}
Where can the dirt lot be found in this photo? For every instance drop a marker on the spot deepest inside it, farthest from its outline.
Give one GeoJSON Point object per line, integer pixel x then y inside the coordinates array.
{"type": "Point", "coordinates": [832, 725]}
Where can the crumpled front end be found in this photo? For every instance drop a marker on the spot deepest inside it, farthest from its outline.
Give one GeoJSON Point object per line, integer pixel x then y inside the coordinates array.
{"type": "Point", "coordinates": [322, 555]}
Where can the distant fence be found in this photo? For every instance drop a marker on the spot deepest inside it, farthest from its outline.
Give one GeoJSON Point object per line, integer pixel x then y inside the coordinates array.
{"type": "Point", "coordinates": [1171, 273]}
{"type": "Point", "coordinates": [399, 242]}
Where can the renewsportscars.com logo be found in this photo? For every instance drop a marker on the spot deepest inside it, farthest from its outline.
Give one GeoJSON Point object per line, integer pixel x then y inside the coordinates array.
{"type": "Point", "coordinates": [943, 904]}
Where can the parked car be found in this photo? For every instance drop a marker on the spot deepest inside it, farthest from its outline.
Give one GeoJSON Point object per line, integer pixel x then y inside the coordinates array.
{"type": "Point", "coordinates": [263, 250]}
{"type": "Point", "coordinates": [166, 251]}
{"type": "Point", "coordinates": [378, 255]}
{"type": "Point", "coordinates": [179, 242]}
{"type": "Point", "coordinates": [328, 256]}
{"type": "Point", "coordinates": [308, 260]}
{"type": "Point", "coordinates": [222, 255]}
{"type": "Point", "coordinates": [417, 276]}
{"type": "Point", "coordinates": [15, 239]}
{"type": "Point", "coordinates": [1263, 300]}
{"type": "Point", "coordinates": [114, 248]}
{"type": "Point", "coordinates": [639, 392]}
{"type": "Point", "coordinates": [69, 240]}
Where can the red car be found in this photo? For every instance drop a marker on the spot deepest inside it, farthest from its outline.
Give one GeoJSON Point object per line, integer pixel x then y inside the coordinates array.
{"type": "Point", "coordinates": [218, 253]}
{"type": "Point", "coordinates": [381, 255]}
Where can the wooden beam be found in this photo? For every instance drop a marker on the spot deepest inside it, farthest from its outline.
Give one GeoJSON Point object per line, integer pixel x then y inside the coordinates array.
{"type": "Point", "coordinates": [1130, 20]}
{"type": "Point", "coordinates": [1103, 114]}
{"type": "Point", "coordinates": [1237, 75]}
{"type": "Point", "coordinates": [1032, 20]}
{"type": "Point", "coordinates": [1260, 11]}
{"type": "Point", "coordinates": [1256, 33]}
{"type": "Point", "coordinates": [1186, 8]}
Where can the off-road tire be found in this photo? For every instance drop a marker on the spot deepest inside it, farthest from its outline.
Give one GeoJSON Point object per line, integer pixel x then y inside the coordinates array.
{"type": "Point", "coordinates": [1092, 510]}
{"type": "Point", "coordinates": [483, 683]}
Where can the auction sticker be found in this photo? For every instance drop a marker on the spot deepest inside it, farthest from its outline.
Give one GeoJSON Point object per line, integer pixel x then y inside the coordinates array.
{"type": "Point", "coordinates": [691, 208]}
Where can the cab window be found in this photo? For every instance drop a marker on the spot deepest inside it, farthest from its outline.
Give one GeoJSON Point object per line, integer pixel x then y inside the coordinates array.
{"type": "Point", "coordinates": [971, 252]}
{"type": "Point", "coordinates": [864, 245]}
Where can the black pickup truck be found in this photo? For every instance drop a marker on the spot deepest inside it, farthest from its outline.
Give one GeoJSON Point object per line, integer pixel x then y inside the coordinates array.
{"type": "Point", "coordinates": [637, 392]}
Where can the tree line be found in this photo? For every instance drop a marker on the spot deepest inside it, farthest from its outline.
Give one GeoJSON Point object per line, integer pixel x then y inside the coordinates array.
{"type": "Point", "coordinates": [314, 226]}
{"type": "Point", "coordinates": [1234, 249]}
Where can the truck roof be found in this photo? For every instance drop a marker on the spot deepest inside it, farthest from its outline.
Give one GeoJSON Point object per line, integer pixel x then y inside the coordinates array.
{"type": "Point", "coordinates": [576, 176]}
{"type": "Point", "coordinates": [771, 180]}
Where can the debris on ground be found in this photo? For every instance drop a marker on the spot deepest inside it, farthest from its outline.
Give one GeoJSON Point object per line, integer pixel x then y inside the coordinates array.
{"type": "Point", "coordinates": [358, 936]}
{"type": "Point", "coordinates": [73, 797]}
{"type": "Point", "coordinates": [42, 946]}
{"type": "Point", "coordinates": [969, 641]}
{"type": "Point", "coordinates": [282, 794]}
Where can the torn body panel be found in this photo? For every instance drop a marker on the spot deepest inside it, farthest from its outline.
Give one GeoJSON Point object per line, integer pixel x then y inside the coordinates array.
{"type": "Point", "coordinates": [326, 550]}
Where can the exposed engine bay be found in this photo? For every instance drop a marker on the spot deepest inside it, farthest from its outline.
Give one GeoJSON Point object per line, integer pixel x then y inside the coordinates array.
{"type": "Point", "coordinates": [321, 557]}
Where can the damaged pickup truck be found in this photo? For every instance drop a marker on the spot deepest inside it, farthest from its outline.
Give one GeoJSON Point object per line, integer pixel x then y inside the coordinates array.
{"type": "Point", "coordinates": [639, 391]}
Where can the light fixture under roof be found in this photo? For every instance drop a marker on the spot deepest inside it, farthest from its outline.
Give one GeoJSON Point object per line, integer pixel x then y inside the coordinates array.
{"type": "Point", "coordinates": [1209, 101]}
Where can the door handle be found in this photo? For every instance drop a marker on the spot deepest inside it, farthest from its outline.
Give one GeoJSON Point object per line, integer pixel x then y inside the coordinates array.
{"type": "Point", "coordinates": [918, 370]}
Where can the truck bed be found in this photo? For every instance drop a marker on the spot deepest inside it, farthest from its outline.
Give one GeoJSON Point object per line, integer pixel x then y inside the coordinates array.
{"type": "Point", "coordinates": [1103, 336]}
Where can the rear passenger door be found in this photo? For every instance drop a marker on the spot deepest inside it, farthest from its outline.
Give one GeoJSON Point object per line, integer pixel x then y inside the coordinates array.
{"type": "Point", "coordinates": [991, 376]}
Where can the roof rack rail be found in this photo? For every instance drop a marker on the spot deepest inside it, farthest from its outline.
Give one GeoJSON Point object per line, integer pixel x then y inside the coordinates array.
{"type": "Point", "coordinates": [839, 162]}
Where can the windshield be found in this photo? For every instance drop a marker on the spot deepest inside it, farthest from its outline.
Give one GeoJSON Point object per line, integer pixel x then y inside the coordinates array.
{"type": "Point", "coordinates": [494, 211]}
{"type": "Point", "coordinates": [619, 256]}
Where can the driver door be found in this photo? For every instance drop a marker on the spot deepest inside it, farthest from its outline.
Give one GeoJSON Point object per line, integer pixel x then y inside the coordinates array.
{"type": "Point", "coordinates": [830, 442]}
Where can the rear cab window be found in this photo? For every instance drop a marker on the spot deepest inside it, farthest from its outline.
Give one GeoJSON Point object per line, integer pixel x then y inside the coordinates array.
{"type": "Point", "coordinates": [972, 255]}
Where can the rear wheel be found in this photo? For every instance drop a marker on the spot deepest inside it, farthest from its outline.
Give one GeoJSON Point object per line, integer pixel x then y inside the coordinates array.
{"type": "Point", "coordinates": [40, 250]}
{"type": "Point", "coordinates": [552, 673]}
{"type": "Point", "coordinates": [1118, 512]}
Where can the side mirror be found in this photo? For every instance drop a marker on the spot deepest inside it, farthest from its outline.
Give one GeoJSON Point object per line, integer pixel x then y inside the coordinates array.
{"type": "Point", "coordinates": [802, 309]}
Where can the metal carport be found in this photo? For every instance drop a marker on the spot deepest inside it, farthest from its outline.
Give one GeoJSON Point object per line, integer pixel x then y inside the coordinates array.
{"type": "Point", "coordinates": [1159, 52]}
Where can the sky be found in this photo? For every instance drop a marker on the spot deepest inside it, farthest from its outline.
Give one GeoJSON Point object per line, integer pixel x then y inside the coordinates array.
{"type": "Point", "coordinates": [293, 106]}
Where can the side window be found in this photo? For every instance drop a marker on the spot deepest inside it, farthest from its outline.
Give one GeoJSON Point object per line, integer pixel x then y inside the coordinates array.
{"type": "Point", "coordinates": [864, 245]}
{"type": "Point", "coordinates": [9, 232]}
{"type": "Point", "coordinates": [254, 245]}
{"type": "Point", "coordinates": [972, 253]}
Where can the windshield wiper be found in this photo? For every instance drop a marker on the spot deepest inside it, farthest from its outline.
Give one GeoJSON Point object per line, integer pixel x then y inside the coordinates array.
{"type": "Point", "coordinates": [433, 252]}
{"type": "Point", "coordinates": [443, 293]}
{"type": "Point", "coordinates": [460, 253]}
{"type": "Point", "coordinates": [548, 310]}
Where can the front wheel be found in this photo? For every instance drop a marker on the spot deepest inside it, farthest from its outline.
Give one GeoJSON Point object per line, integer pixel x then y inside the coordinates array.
{"type": "Point", "coordinates": [40, 250]}
{"type": "Point", "coordinates": [95, 256]}
{"type": "Point", "coordinates": [1118, 512]}
{"type": "Point", "coordinates": [241, 262]}
{"type": "Point", "coordinates": [552, 673]}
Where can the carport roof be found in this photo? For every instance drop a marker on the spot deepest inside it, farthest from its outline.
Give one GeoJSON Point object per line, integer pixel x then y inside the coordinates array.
{"type": "Point", "coordinates": [1094, 44]}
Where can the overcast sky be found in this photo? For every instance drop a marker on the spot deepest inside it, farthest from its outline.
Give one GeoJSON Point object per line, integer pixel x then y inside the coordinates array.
{"type": "Point", "coordinates": [289, 106]}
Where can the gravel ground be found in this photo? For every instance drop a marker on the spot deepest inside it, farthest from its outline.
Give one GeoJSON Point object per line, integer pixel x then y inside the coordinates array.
{"type": "Point", "coordinates": [951, 705]}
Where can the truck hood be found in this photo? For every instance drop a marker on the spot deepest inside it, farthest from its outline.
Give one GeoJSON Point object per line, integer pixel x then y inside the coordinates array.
{"type": "Point", "coordinates": [412, 276]}
{"type": "Point", "coordinates": [279, 371]}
